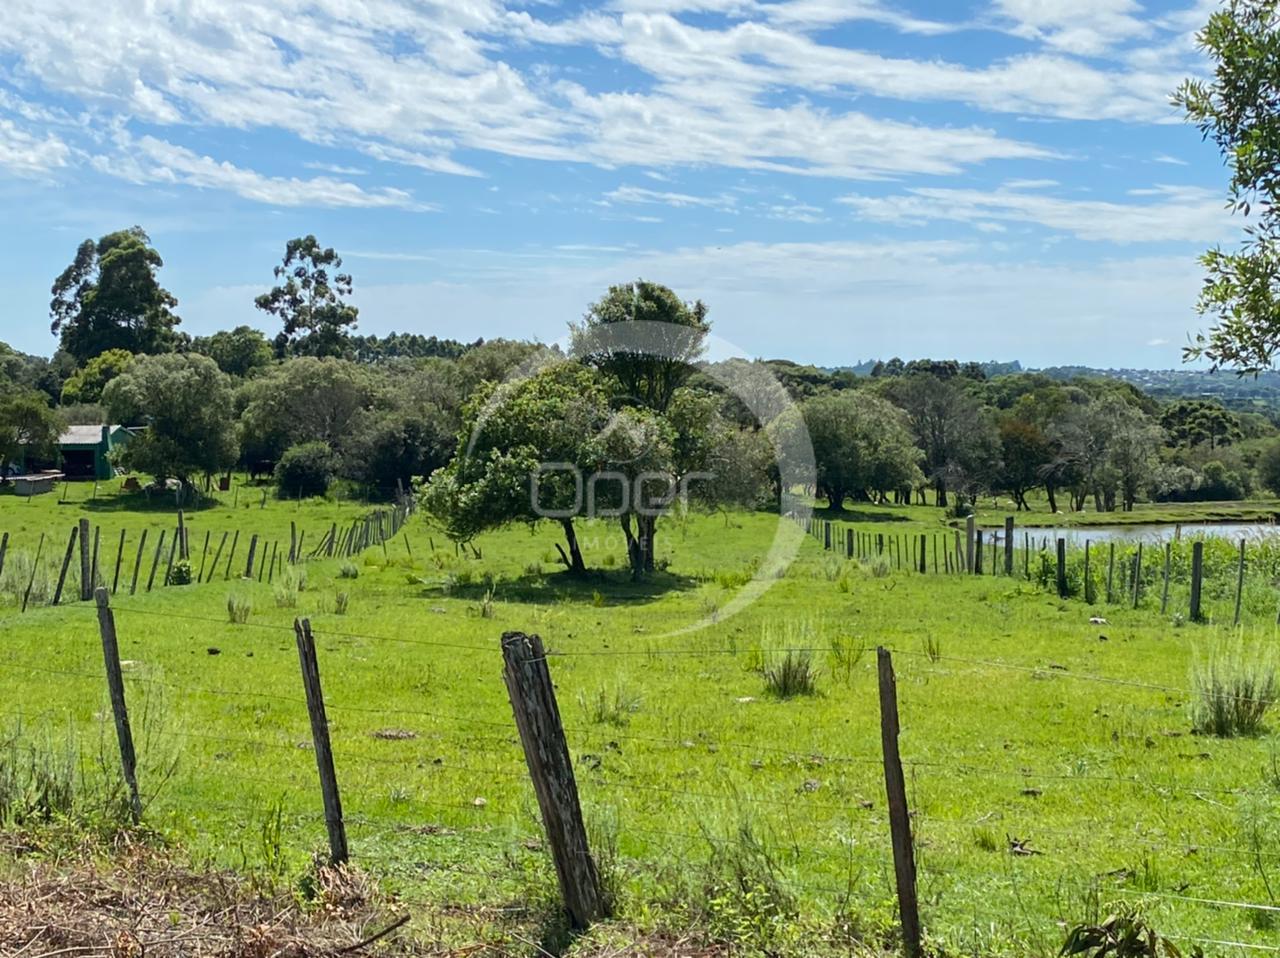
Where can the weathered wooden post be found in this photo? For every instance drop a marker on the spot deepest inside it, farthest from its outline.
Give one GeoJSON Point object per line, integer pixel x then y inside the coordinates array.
{"type": "Point", "coordinates": [537, 716]}
{"type": "Point", "coordinates": [1111, 570]}
{"type": "Point", "coordinates": [183, 551]}
{"type": "Point", "coordinates": [137, 562]}
{"type": "Point", "coordinates": [253, 551]}
{"type": "Point", "coordinates": [1062, 567]}
{"type": "Point", "coordinates": [94, 574]}
{"type": "Point", "coordinates": [115, 579]}
{"type": "Point", "coordinates": [970, 531]}
{"type": "Point", "coordinates": [115, 686]}
{"type": "Point", "coordinates": [1008, 545]}
{"type": "Point", "coordinates": [86, 569]}
{"type": "Point", "coordinates": [235, 540]}
{"type": "Point", "coordinates": [4, 548]}
{"type": "Point", "coordinates": [217, 554]}
{"type": "Point", "coordinates": [977, 553]}
{"type": "Point", "coordinates": [1197, 574]}
{"type": "Point", "coordinates": [1164, 594]}
{"type": "Point", "coordinates": [173, 548]}
{"type": "Point", "coordinates": [320, 737]}
{"type": "Point", "coordinates": [1137, 577]}
{"type": "Point", "coordinates": [155, 561]}
{"type": "Point", "coordinates": [1240, 584]}
{"type": "Point", "coordinates": [204, 555]}
{"type": "Point", "coordinates": [826, 533]}
{"type": "Point", "coordinates": [66, 562]}
{"type": "Point", "coordinates": [904, 863]}
{"type": "Point", "coordinates": [924, 559]}
{"type": "Point", "coordinates": [35, 567]}
{"type": "Point", "coordinates": [293, 542]}
{"type": "Point", "coordinates": [1088, 579]}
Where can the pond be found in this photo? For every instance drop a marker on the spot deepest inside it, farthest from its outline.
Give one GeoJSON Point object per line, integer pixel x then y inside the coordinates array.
{"type": "Point", "coordinates": [1143, 532]}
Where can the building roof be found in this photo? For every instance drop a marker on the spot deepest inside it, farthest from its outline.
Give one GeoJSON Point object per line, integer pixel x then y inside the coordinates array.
{"type": "Point", "coordinates": [81, 436]}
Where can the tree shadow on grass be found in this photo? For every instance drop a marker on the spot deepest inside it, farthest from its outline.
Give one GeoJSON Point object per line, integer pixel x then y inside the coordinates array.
{"type": "Point", "coordinates": [600, 587]}
{"type": "Point", "coordinates": [861, 512]}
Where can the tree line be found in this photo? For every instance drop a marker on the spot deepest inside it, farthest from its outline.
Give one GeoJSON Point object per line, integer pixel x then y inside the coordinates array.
{"type": "Point", "coordinates": [318, 404]}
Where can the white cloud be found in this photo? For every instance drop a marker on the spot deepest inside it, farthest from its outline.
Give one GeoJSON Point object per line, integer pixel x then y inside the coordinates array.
{"type": "Point", "coordinates": [30, 155]}
{"type": "Point", "coordinates": [638, 194]}
{"type": "Point", "coordinates": [1177, 214]}
{"type": "Point", "coordinates": [158, 161]}
{"type": "Point", "coordinates": [1083, 27]}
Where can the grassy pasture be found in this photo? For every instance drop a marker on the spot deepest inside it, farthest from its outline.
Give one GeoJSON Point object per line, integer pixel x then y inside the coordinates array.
{"type": "Point", "coordinates": [1050, 764]}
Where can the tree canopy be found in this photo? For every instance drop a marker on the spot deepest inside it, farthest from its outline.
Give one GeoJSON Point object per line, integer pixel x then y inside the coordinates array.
{"type": "Point", "coordinates": [110, 298]}
{"type": "Point", "coordinates": [311, 301]}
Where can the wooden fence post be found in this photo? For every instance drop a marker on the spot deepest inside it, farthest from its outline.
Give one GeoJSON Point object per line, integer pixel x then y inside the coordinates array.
{"type": "Point", "coordinates": [217, 554]}
{"type": "Point", "coordinates": [320, 736]}
{"type": "Point", "coordinates": [86, 570]}
{"type": "Point", "coordinates": [537, 716]}
{"type": "Point", "coordinates": [293, 542]}
{"type": "Point", "coordinates": [1008, 545]}
{"type": "Point", "coordinates": [826, 533]}
{"type": "Point", "coordinates": [924, 559]}
{"type": "Point", "coordinates": [1137, 577]}
{"type": "Point", "coordinates": [904, 863]}
{"type": "Point", "coordinates": [1088, 579]}
{"type": "Point", "coordinates": [1164, 594]}
{"type": "Point", "coordinates": [155, 562]}
{"type": "Point", "coordinates": [115, 579]}
{"type": "Point", "coordinates": [66, 562]}
{"type": "Point", "coordinates": [253, 551]}
{"type": "Point", "coordinates": [1197, 574]}
{"type": "Point", "coordinates": [970, 530]}
{"type": "Point", "coordinates": [168, 566]}
{"type": "Point", "coordinates": [115, 685]}
{"type": "Point", "coordinates": [976, 559]}
{"type": "Point", "coordinates": [235, 539]}
{"type": "Point", "coordinates": [1062, 568]}
{"type": "Point", "coordinates": [1240, 583]}
{"type": "Point", "coordinates": [35, 566]}
{"type": "Point", "coordinates": [1111, 570]}
{"type": "Point", "coordinates": [137, 562]}
{"type": "Point", "coordinates": [4, 548]}
{"type": "Point", "coordinates": [94, 574]}
{"type": "Point", "coordinates": [204, 556]}
{"type": "Point", "coordinates": [182, 537]}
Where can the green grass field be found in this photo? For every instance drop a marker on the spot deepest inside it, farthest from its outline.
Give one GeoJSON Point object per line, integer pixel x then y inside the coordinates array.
{"type": "Point", "coordinates": [1051, 768]}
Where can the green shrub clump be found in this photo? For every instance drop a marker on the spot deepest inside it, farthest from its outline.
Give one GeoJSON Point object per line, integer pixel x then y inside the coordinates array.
{"type": "Point", "coordinates": [306, 469]}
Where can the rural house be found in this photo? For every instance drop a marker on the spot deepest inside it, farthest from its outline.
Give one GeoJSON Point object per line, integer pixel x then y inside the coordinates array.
{"type": "Point", "coordinates": [82, 450]}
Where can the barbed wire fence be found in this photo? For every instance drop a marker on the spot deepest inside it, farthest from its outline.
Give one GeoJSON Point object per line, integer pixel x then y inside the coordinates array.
{"type": "Point", "coordinates": [897, 835]}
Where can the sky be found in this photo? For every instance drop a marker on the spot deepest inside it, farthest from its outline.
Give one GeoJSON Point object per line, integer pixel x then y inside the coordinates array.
{"type": "Point", "coordinates": [837, 179]}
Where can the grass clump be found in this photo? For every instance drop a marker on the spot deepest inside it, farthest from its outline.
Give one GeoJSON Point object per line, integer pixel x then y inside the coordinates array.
{"type": "Point", "coordinates": [348, 570]}
{"type": "Point", "coordinates": [1232, 694]}
{"type": "Point", "coordinates": [239, 608]}
{"type": "Point", "coordinates": [610, 706]}
{"type": "Point", "coordinates": [791, 674]}
{"type": "Point", "coordinates": [340, 602]}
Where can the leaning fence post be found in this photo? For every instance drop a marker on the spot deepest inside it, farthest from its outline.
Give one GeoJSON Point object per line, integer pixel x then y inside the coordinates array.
{"type": "Point", "coordinates": [35, 566]}
{"type": "Point", "coordinates": [537, 716]}
{"type": "Point", "coordinates": [115, 579]}
{"type": "Point", "coordinates": [86, 571]}
{"type": "Point", "coordinates": [904, 863]}
{"type": "Point", "coordinates": [1240, 583]}
{"type": "Point", "coordinates": [320, 737]}
{"type": "Point", "coordinates": [137, 562]}
{"type": "Point", "coordinates": [155, 561]}
{"type": "Point", "coordinates": [1197, 574]}
{"type": "Point", "coordinates": [115, 685]}
{"type": "Point", "coordinates": [4, 547]}
{"type": "Point", "coordinates": [66, 561]}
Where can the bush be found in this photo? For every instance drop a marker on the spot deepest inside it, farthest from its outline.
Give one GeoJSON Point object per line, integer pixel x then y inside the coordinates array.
{"type": "Point", "coordinates": [1232, 694]}
{"type": "Point", "coordinates": [305, 470]}
{"type": "Point", "coordinates": [180, 574]}
{"type": "Point", "coordinates": [790, 674]}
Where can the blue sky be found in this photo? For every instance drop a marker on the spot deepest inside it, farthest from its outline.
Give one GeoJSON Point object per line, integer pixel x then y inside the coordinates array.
{"type": "Point", "coordinates": [837, 179]}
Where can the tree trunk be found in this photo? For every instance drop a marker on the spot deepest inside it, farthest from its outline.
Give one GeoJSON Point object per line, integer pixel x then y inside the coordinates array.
{"type": "Point", "coordinates": [941, 488]}
{"type": "Point", "coordinates": [574, 561]}
{"type": "Point", "coordinates": [1051, 491]}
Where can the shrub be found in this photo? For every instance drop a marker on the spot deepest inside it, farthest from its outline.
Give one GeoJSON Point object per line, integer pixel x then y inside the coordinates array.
{"type": "Point", "coordinates": [790, 674]}
{"type": "Point", "coordinates": [239, 608]}
{"type": "Point", "coordinates": [1232, 694]}
{"type": "Point", "coordinates": [180, 574]}
{"type": "Point", "coordinates": [1124, 934]}
{"type": "Point", "coordinates": [305, 470]}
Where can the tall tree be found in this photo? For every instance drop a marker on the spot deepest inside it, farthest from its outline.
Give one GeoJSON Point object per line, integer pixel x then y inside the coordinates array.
{"type": "Point", "coordinates": [1239, 109]}
{"type": "Point", "coordinates": [311, 301]}
{"type": "Point", "coordinates": [185, 402]}
{"type": "Point", "coordinates": [649, 362]}
{"type": "Point", "coordinates": [109, 298]}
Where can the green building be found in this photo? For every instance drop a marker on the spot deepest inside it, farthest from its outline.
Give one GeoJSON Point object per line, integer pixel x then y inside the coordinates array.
{"type": "Point", "coordinates": [82, 450]}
